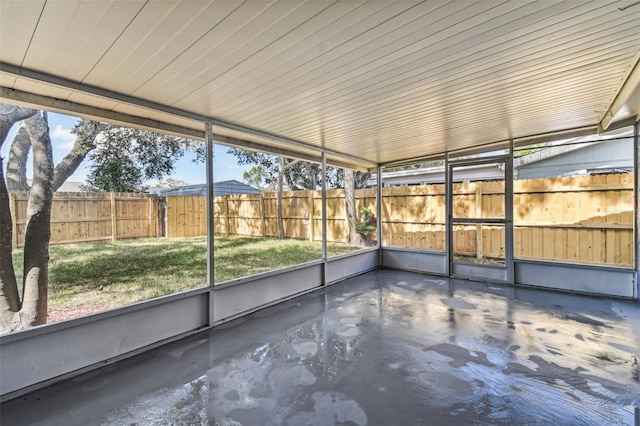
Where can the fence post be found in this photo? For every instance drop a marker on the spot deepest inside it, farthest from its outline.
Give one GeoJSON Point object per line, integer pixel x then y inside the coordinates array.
{"type": "Point", "coordinates": [150, 217]}
{"type": "Point", "coordinates": [14, 220]}
{"type": "Point", "coordinates": [311, 214]}
{"type": "Point", "coordinates": [162, 217]}
{"type": "Point", "coordinates": [479, 254]}
{"type": "Point", "coordinates": [226, 215]}
{"type": "Point", "coordinates": [262, 219]}
{"type": "Point", "coordinates": [347, 234]}
{"type": "Point", "coordinates": [113, 216]}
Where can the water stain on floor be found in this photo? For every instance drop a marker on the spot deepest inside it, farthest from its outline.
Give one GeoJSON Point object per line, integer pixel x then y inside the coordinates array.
{"type": "Point", "coordinates": [386, 347]}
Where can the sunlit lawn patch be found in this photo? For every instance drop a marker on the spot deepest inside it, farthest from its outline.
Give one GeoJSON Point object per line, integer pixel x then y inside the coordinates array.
{"type": "Point", "coordinates": [92, 277]}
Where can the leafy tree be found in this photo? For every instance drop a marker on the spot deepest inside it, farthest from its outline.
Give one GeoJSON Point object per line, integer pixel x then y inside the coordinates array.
{"type": "Point", "coordinates": [530, 149]}
{"type": "Point", "coordinates": [434, 163]}
{"type": "Point", "coordinates": [297, 174]}
{"type": "Point", "coordinates": [400, 168]}
{"type": "Point", "coordinates": [279, 172]}
{"type": "Point", "coordinates": [117, 175]}
{"type": "Point", "coordinates": [367, 224]}
{"type": "Point", "coordinates": [256, 177]}
{"type": "Point", "coordinates": [28, 307]}
{"type": "Point", "coordinates": [123, 158]}
{"type": "Point", "coordinates": [171, 183]}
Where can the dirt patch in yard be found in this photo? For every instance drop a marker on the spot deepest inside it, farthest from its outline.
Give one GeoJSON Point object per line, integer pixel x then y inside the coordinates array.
{"type": "Point", "coordinates": [56, 315]}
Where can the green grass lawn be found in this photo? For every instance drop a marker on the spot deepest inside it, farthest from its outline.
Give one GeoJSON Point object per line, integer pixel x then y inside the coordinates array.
{"type": "Point", "coordinates": [90, 277]}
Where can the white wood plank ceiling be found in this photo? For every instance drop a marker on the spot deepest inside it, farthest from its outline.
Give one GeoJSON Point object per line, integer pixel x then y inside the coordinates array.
{"type": "Point", "coordinates": [382, 81]}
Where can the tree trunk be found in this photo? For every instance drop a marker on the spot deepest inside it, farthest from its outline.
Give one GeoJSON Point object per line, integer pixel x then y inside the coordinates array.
{"type": "Point", "coordinates": [17, 162]}
{"type": "Point", "coordinates": [38, 228]}
{"type": "Point", "coordinates": [85, 142]}
{"type": "Point", "coordinates": [355, 238]}
{"type": "Point", "coordinates": [9, 299]}
{"type": "Point", "coordinates": [10, 115]}
{"type": "Point", "coordinates": [279, 198]}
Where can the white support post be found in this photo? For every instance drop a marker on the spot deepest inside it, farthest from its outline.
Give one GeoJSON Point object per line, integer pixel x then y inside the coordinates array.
{"type": "Point", "coordinates": [210, 219]}
{"type": "Point", "coordinates": [324, 219]}
{"type": "Point", "coordinates": [448, 214]}
{"type": "Point", "coordinates": [636, 205]}
{"type": "Point", "coordinates": [379, 213]}
{"type": "Point", "coordinates": [508, 213]}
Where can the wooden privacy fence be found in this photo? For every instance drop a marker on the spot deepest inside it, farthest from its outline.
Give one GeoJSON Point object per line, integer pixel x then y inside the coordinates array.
{"type": "Point", "coordinates": [256, 215]}
{"type": "Point", "coordinates": [586, 219]}
{"type": "Point", "coordinates": [583, 219]}
{"type": "Point", "coordinates": [578, 219]}
{"type": "Point", "coordinates": [81, 217]}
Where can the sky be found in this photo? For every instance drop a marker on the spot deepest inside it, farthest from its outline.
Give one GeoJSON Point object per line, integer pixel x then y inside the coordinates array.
{"type": "Point", "coordinates": [225, 165]}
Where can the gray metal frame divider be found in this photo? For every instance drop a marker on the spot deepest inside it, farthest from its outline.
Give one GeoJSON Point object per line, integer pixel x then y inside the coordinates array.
{"type": "Point", "coordinates": [210, 221]}
{"type": "Point", "coordinates": [507, 220]}
{"type": "Point", "coordinates": [636, 205]}
{"type": "Point", "coordinates": [324, 219]}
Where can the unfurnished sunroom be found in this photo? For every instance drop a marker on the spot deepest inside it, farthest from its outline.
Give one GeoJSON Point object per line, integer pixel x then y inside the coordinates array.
{"type": "Point", "coordinates": [473, 95]}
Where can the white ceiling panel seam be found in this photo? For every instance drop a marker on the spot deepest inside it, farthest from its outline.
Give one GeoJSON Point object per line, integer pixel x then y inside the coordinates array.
{"type": "Point", "coordinates": [132, 45]}
{"type": "Point", "coordinates": [541, 66]}
{"type": "Point", "coordinates": [362, 77]}
{"type": "Point", "coordinates": [435, 89]}
{"type": "Point", "coordinates": [332, 60]}
{"type": "Point", "coordinates": [437, 104]}
{"type": "Point", "coordinates": [168, 51]}
{"type": "Point", "coordinates": [339, 50]}
{"type": "Point", "coordinates": [221, 90]}
{"type": "Point", "coordinates": [451, 122]}
{"type": "Point", "coordinates": [200, 50]}
{"type": "Point", "coordinates": [110, 46]}
{"type": "Point", "coordinates": [381, 110]}
{"type": "Point", "coordinates": [260, 38]}
{"type": "Point", "coordinates": [205, 90]}
{"type": "Point", "coordinates": [71, 86]}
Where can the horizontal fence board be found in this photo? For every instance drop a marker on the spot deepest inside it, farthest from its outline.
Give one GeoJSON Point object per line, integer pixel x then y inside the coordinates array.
{"type": "Point", "coordinates": [578, 219]}
{"type": "Point", "coordinates": [87, 216]}
{"type": "Point", "coordinates": [586, 219]}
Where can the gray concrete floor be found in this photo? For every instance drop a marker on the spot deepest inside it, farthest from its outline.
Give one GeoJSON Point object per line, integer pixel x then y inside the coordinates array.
{"type": "Point", "coordinates": [384, 348]}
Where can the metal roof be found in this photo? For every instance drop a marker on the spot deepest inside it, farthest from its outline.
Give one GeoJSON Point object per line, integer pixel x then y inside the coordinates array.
{"type": "Point", "coordinates": [375, 81]}
{"type": "Point", "coordinates": [573, 159]}
{"type": "Point", "coordinates": [220, 188]}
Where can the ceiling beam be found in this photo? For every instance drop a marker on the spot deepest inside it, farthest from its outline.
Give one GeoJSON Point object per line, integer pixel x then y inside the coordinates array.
{"type": "Point", "coordinates": [254, 146]}
{"type": "Point", "coordinates": [75, 86]}
{"type": "Point", "coordinates": [30, 100]}
{"type": "Point", "coordinates": [94, 113]}
{"type": "Point", "coordinates": [626, 101]}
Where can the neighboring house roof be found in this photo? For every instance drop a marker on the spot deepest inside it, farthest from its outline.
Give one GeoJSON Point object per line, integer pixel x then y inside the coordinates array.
{"type": "Point", "coordinates": [433, 175]}
{"type": "Point", "coordinates": [67, 186]}
{"type": "Point", "coordinates": [219, 188]}
{"type": "Point", "coordinates": [70, 186]}
{"type": "Point", "coordinates": [609, 156]}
